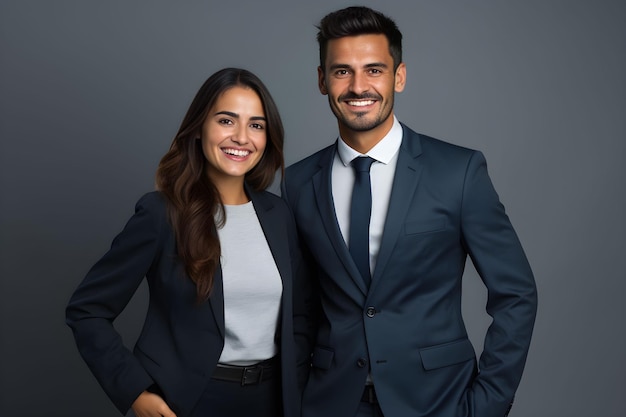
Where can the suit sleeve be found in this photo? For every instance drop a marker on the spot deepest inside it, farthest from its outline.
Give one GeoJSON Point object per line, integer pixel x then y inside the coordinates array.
{"type": "Point", "coordinates": [305, 304]}
{"type": "Point", "coordinates": [103, 294]}
{"type": "Point", "coordinates": [501, 263]}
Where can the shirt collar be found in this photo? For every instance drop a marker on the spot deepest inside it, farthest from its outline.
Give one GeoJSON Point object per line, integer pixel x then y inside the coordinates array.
{"type": "Point", "coordinates": [384, 150]}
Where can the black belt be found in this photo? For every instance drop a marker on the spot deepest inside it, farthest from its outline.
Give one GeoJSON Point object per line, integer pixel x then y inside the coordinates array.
{"type": "Point", "coordinates": [247, 375]}
{"type": "Point", "coordinates": [369, 395]}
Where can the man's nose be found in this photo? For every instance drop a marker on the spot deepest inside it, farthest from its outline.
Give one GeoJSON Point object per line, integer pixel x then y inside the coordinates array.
{"type": "Point", "coordinates": [359, 83]}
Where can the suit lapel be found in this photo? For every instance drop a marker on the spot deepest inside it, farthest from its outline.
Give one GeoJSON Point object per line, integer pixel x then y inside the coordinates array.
{"type": "Point", "coordinates": [326, 206]}
{"type": "Point", "coordinates": [405, 182]}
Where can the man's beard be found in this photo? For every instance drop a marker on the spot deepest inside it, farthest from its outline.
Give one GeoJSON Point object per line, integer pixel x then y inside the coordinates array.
{"type": "Point", "coordinates": [361, 123]}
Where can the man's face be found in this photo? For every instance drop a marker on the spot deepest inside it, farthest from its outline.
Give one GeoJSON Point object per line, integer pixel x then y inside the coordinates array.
{"type": "Point", "coordinates": [360, 83]}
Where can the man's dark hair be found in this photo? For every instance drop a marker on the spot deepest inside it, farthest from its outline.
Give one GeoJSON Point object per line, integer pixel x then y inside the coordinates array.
{"type": "Point", "coordinates": [353, 21]}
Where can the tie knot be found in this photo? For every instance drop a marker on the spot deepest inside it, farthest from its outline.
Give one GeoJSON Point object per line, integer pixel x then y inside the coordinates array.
{"type": "Point", "coordinates": [362, 163]}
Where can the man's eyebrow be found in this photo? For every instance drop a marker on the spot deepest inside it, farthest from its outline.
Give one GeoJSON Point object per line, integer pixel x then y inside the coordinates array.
{"type": "Point", "coordinates": [376, 64]}
{"type": "Point", "coordinates": [339, 66]}
{"type": "Point", "coordinates": [370, 65]}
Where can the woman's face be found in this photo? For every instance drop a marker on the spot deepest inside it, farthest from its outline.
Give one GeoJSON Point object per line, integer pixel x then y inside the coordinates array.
{"type": "Point", "coordinates": [234, 134]}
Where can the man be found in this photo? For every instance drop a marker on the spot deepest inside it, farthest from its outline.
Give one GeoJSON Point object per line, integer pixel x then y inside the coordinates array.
{"type": "Point", "coordinates": [390, 339]}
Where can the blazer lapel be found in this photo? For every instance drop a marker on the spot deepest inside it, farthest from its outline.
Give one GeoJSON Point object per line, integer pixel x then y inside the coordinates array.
{"type": "Point", "coordinates": [326, 206]}
{"type": "Point", "coordinates": [216, 300]}
{"type": "Point", "coordinates": [275, 231]}
{"type": "Point", "coordinates": [276, 235]}
{"type": "Point", "coordinates": [405, 183]}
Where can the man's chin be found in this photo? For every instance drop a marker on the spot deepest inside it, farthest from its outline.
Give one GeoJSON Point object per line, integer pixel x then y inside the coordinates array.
{"type": "Point", "coordinates": [361, 124]}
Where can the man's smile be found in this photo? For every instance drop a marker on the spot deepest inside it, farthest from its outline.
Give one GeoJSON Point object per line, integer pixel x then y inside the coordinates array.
{"type": "Point", "coordinates": [360, 103]}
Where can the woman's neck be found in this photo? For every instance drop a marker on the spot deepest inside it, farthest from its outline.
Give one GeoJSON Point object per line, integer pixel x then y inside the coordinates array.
{"type": "Point", "coordinates": [232, 191]}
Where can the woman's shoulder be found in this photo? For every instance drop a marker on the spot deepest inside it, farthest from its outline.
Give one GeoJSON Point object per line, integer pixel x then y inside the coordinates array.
{"type": "Point", "coordinates": [269, 198]}
{"type": "Point", "coordinates": [152, 199]}
{"type": "Point", "coordinates": [153, 204]}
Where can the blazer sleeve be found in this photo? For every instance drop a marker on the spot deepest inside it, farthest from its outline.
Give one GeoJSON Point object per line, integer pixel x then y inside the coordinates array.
{"type": "Point", "coordinates": [305, 298]}
{"type": "Point", "coordinates": [305, 314]}
{"type": "Point", "coordinates": [500, 261]}
{"type": "Point", "coordinates": [103, 294]}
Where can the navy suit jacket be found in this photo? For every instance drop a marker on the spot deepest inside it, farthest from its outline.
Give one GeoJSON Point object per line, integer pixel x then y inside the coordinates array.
{"type": "Point", "coordinates": [407, 328]}
{"type": "Point", "coordinates": [181, 340]}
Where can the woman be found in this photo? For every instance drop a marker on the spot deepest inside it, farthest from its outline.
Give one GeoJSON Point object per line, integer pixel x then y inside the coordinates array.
{"type": "Point", "coordinates": [219, 254]}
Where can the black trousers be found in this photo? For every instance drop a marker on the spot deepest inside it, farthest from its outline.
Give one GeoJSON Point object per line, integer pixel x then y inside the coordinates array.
{"type": "Point", "coordinates": [231, 399]}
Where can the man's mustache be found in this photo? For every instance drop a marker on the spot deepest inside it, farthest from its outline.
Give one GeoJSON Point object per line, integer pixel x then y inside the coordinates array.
{"type": "Point", "coordinates": [364, 96]}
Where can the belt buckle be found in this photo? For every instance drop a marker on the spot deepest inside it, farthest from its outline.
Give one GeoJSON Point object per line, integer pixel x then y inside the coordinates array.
{"type": "Point", "coordinates": [251, 375]}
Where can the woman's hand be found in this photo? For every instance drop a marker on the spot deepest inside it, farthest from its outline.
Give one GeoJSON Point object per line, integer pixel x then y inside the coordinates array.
{"type": "Point", "coordinates": [151, 405]}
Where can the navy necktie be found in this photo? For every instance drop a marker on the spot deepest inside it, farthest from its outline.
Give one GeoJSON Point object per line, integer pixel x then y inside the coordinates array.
{"type": "Point", "coordinates": [360, 212]}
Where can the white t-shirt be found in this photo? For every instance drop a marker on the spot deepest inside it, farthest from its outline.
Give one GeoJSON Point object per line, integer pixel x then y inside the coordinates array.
{"type": "Point", "coordinates": [252, 288]}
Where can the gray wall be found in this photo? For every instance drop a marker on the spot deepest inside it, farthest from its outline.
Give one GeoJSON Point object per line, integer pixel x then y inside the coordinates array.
{"type": "Point", "coordinates": [91, 94]}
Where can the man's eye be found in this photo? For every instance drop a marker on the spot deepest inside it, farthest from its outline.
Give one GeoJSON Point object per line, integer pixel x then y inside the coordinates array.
{"type": "Point", "coordinates": [341, 72]}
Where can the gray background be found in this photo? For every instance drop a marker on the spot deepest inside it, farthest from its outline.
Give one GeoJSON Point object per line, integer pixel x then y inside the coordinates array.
{"type": "Point", "coordinates": [91, 94]}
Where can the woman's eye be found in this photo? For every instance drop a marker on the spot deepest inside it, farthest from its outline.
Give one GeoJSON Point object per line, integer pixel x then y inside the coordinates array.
{"type": "Point", "coordinates": [257, 126]}
{"type": "Point", "coordinates": [225, 121]}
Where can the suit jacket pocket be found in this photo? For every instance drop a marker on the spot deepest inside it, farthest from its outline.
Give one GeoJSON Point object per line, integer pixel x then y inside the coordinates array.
{"type": "Point", "coordinates": [425, 226]}
{"type": "Point", "coordinates": [447, 354]}
{"type": "Point", "coordinates": [322, 357]}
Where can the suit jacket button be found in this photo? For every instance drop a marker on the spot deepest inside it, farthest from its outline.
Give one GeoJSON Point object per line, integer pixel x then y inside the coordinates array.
{"type": "Point", "coordinates": [370, 312]}
{"type": "Point", "coordinates": [361, 362]}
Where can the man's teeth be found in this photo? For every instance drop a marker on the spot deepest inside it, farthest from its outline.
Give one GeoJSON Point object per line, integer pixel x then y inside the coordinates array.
{"type": "Point", "coordinates": [361, 103]}
{"type": "Point", "coordinates": [237, 152]}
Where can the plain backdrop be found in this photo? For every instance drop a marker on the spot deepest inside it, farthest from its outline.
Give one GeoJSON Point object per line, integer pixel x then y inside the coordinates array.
{"type": "Point", "coordinates": [92, 92]}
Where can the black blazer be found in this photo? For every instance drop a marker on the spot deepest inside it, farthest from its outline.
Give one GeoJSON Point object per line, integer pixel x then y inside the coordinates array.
{"type": "Point", "coordinates": [181, 340]}
{"type": "Point", "coordinates": [407, 328]}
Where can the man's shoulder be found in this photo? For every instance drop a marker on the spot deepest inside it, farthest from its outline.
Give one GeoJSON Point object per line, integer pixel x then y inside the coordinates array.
{"type": "Point", "coordinates": [430, 145]}
{"type": "Point", "coordinates": [309, 165]}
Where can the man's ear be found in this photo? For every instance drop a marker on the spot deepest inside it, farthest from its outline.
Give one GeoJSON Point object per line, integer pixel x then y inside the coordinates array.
{"type": "Point", "coordinates": [321, 81]}
{"type": "Point", "coordinates": [400, 78]}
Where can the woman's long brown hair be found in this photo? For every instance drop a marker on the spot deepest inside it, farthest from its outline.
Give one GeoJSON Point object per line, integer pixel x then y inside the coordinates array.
{"type": "Point", "coordinates": [193, 200]}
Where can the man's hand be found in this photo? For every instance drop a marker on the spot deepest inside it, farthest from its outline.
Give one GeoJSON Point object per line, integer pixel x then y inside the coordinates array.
{"type": "Point", "coordinates": [151, 405]}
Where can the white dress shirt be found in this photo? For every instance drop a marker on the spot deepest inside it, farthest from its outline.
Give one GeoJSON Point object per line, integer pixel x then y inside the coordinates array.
{"type": "Point", "coordinates": [382, 172]}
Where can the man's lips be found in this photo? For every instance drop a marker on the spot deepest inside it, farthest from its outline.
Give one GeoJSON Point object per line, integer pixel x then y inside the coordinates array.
{"type": "Point", "coordinates": [360, 103]}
